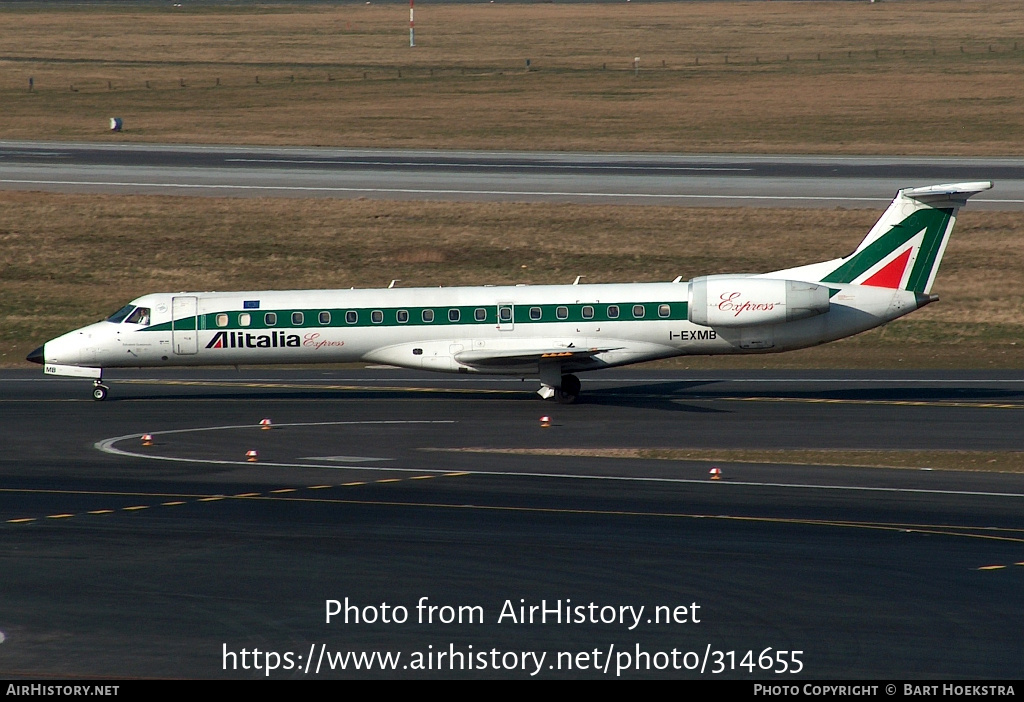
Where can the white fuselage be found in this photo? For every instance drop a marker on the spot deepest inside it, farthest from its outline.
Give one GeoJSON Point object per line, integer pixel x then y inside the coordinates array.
{"type": "Point", "coordinates": [514, 330]}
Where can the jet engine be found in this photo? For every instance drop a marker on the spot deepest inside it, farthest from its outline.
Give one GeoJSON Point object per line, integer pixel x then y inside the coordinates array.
{"type": "Point", "coordinates": [741, 301]}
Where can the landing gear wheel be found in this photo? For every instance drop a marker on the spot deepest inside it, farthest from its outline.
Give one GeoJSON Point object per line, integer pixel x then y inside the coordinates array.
{"type": "Point", "coordinates": [99, 392]}
{"type": "Point", "coordinates": [571, 384]}
{"type": "Point", "coordinates": [564, 398]}
{"type": "Point", "coordinates": [570, 390]}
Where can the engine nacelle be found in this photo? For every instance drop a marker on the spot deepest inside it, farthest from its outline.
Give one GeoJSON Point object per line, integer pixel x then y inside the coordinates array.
{"type": "Point", "coordinates": [738, 301]}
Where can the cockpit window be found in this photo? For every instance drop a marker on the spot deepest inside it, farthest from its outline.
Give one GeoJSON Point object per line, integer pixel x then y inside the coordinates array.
{"type": "Point", "coordinates": [139, 316]}
{"type": "Point", "coordinates": [119, 316]}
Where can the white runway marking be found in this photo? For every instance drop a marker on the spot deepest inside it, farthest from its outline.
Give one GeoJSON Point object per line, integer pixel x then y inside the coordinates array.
{"type": "Point", "coordinates": [595, 379]}
{"type": "Point", "coordinates": [517, 166]}
{"type": "Point", "coordinates": [453, 191]}
{"type": "Point", "coordinates": [107, 446]}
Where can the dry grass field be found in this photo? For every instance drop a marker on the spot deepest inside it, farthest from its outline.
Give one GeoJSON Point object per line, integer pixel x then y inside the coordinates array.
{"type": "Point", "coordinates": [72, 259]}
{"type": "Point", "coordinates": [908, 77]}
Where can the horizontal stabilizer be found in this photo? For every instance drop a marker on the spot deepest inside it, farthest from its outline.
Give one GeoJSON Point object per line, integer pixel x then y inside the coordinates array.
{"type": "Point", "coordinates": [948, 195]}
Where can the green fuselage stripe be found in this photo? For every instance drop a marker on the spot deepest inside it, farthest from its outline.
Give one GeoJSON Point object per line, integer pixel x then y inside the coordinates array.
{"type": "Point", "coordinates": [442, 316]}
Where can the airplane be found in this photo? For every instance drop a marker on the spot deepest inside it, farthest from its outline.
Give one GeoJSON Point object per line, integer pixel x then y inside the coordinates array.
{"type": "Point", "coordinates": [550, 332]}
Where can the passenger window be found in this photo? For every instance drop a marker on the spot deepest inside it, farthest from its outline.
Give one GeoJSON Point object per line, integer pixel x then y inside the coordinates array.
{"type": "Point", "coordinates": [139, 316]}
{"type": "Point", "coordinates": [270, 319]}
{"type": "Point", "coordinates": [244, 319]}
{"type": "Point", "coordinates": [638, 311]}
{"type": "Point", "coordinates": [325, 318]}
{"type": "Point", "coordinates": [376, 316]}
{"type": "Point", "coordinates": [664, 311]}
{"type": "Point", "coordinates": [562, 312]}
{"type": "Point", "coordinates": [222, 320]}
{"type": "Point", "coordinates": [120, 315]}
{"type": "Point", "coordinates": [480, 314]}
{"type": "Point", "coordinates": [402, 316]}
{"type": "Point", "coordinates": [613, 311]}
{"type": "Point", "coordinates": [454, 315]}
{"type": "Point", "coordinates": [535, 313]}
{"type": "Point", "coordinates": [427, 316]}
{"type": "Point", "coordinates": [351, 317]}
{"type": "Point", "coordinates": [298, 318]}
{"type": "Point", "coordinates": [588, 312]}
{"type": "Point", "coordinates": [505, 314]}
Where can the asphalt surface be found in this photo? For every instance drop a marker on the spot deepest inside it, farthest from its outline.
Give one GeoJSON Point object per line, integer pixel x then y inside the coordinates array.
{"type": "Point", "coordinates": [169, 560]}
{"type": "Point", "coordinates": [682, 179]}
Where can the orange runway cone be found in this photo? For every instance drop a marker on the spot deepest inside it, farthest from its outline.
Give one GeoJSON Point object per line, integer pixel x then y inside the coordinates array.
{"type": "Point", "coordinates": [545, 421]}
{"type": "Point", "coordinates": [715, 473]}
{"type": "Point", "coordinates": [251, 455]}
{"type": "Point", "coordinates": [264, 424]}
{"type": "Point", "coordinates": [147, 439]}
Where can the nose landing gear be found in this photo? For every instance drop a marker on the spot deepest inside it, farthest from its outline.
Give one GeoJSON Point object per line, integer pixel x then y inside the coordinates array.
{"type": "Point", "coordinates": [99, 390]}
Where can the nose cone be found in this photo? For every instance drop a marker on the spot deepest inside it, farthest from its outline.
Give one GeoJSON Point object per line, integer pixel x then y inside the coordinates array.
{"type": "Point", "coordinates": [36, 356]}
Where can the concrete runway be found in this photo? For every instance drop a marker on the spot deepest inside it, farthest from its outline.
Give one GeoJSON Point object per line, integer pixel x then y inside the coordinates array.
{"type": "Point", "coordinates": [124, 560]}
{"type": "Point", "coordinates": [682, 179]}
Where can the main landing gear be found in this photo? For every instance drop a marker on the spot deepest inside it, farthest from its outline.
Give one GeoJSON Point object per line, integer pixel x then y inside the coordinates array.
{"type": "Point", "coordinates": [567, 392]}
{"type": "Point", "coordinates": [99, 390]}
{"type": "Point", "coordinates": [570, 390]}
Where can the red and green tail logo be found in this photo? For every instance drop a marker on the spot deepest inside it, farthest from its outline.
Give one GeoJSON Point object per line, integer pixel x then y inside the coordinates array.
{"type": "Point", "coordinates": [905, 257]}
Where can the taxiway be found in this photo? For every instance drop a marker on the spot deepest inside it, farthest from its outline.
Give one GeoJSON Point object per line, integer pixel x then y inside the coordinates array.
{"type": "Point", "coordinates": [655, 179]}
{"type": "Point", "coordinates": [382, 486]}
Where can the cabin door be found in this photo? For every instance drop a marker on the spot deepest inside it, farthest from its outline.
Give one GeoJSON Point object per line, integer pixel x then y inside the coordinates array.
{"type": "Point", "coordinates": [184, 335]}
{"type": "Point", "coordinates": [506, 316]}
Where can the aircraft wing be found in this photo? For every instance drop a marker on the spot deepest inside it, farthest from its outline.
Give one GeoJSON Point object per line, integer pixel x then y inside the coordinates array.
{"type": "Point", "coordinates": [494, 358]}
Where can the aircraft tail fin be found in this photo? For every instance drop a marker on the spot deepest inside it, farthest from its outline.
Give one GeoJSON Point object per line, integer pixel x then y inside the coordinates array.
{"type": "Point", "coordinates": [904, 248]}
